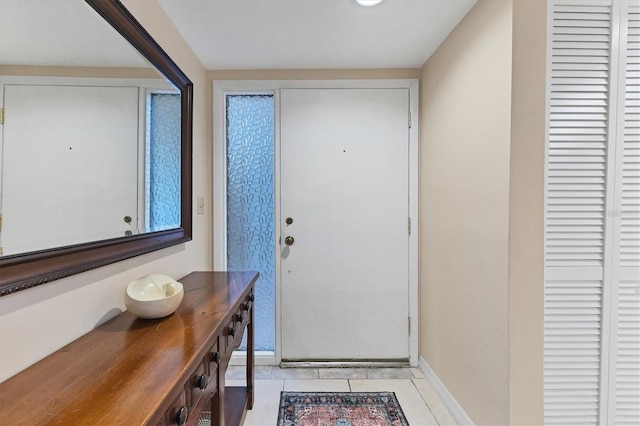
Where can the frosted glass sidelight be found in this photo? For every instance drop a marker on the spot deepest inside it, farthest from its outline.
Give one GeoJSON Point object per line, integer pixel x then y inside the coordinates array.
{"type": "Point", "coordinates": [250, 205]}
{"type": "Point", "coordinates": [163, 162]}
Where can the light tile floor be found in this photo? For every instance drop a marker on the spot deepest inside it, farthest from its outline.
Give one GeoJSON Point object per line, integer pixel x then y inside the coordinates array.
{"type": "Point", "coordinates": [419, 402]}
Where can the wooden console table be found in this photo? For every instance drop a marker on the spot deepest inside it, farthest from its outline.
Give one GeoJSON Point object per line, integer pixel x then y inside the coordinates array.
{"type": "Point", "coordinates": [131, 371]}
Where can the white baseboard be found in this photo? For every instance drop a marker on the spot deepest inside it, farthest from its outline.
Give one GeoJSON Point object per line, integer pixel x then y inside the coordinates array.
{"type": "Point", "coordinates": [259, 358]}
{"type": "Point", "coordinates": [456, 410]}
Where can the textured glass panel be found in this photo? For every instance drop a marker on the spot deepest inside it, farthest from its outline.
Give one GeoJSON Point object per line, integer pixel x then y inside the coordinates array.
{"type": "Point", "coordinates": [250, 220]}
{"type": "Point", "coordinates": [163, 158]}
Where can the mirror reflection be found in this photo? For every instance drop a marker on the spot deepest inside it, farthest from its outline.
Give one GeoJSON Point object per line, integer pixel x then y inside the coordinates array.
{"type": "Point", "coordinates": [91, 134]}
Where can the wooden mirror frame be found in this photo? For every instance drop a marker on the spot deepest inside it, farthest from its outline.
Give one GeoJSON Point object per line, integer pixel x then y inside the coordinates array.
{"type": "Point", "coordinates": [26, 270]}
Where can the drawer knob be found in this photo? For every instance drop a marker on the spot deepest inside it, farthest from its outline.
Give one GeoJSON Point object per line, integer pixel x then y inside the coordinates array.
{"type": "Point", "coordinates": [180, 418]}
{"type": "Point", "coordinates": [215, 357]}
{"type": "Point", "coordinates": [201, 381]}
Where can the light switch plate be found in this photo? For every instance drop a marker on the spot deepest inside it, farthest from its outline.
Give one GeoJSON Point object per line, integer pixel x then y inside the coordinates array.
{"type": "Point", "coordinates": [200, 205]}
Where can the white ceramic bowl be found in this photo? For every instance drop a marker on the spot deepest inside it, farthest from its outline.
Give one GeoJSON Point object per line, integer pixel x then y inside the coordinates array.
{"type": "Point", "coordinates": [153, 296]}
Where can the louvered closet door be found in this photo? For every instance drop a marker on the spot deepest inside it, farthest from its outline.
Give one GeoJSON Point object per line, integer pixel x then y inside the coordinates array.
{"type": "Point", "coordinates": [576, 220]}
{"type": "Point", "coordinates": [592, 269]}
{"type": "Point", "coordinates": [625, 341]}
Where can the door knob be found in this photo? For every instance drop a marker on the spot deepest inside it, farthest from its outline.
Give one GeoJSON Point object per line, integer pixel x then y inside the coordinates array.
{"type": "Point", "coordinates": [289, 241]}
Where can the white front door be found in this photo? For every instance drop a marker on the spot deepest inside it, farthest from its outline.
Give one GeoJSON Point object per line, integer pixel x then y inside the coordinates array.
{"type": "Point", "coordinates": [68, 150]}
{"type": "Point", "coordinates": [345, 205]}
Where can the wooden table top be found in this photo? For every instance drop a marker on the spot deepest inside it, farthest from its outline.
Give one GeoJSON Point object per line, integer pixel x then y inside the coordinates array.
{"type": "Point", "coordinates": [126, 369]}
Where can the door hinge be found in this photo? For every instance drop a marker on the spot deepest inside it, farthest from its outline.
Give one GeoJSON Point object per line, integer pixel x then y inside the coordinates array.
{"type": "Point", "coordinates": [409, 119]}
{"type": "Point", "coordinates": [1, 115]}
{"type": "Point", "coordinates": [409, 226]}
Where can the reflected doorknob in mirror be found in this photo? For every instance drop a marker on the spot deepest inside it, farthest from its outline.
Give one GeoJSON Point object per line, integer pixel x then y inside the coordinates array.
{"type": "Point", "coordinates": [289, 240]}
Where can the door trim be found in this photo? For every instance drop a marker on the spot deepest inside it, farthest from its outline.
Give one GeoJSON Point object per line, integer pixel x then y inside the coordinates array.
{"type": "Point", "coordinates": [221, 88]}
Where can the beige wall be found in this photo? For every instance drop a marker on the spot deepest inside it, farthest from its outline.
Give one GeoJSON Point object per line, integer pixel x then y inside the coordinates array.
{"type": "Point", "coordinates": [36, 322]}
{"type": "Point", "coordinates": [526, 213]}
{"type": "Point", "coordinates": [465, 113]}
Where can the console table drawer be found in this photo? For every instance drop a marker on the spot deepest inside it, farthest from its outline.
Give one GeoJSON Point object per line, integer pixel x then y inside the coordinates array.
{"type": "Point", "coordinates": [197, 384]}
{"type": "Point", "coordinates": [178, 413]}
{"type": "Point", "coordinates": [214, 357]}
{"type": "Point", "coordinates": [232, 337]}
{"type": "Point", "coordinates": [235, 328]}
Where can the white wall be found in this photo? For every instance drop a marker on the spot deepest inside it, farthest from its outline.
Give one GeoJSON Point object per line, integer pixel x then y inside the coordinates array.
{"type": "Point", "coordinates": [38, 321]}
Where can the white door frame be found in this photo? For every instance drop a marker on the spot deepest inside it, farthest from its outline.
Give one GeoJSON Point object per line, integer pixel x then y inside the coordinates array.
{"type": "Point", "coordinates": [221, 88]}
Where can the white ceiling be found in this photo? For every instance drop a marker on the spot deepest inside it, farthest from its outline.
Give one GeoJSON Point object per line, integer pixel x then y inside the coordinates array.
{"type": "Point", "coordinates": [238, 34]}
{"type": "Point", "coordinates": [314, 34]}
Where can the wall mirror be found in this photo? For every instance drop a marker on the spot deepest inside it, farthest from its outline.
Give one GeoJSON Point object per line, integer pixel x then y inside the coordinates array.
{"type": "Point", "coordinates": [96, 141]}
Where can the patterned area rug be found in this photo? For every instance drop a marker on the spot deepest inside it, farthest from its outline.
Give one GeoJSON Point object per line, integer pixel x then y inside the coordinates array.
{"type": "Point", "coordinates": [340, 409]}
